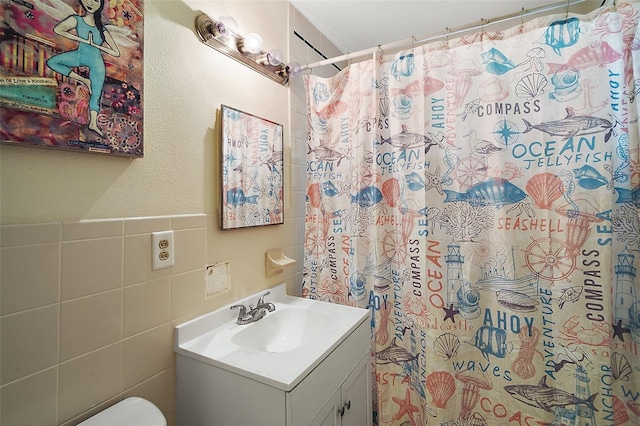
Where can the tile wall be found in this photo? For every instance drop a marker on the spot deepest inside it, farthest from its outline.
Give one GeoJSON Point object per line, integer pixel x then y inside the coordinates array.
{"type": "Point", "coordinates": [86, 322]}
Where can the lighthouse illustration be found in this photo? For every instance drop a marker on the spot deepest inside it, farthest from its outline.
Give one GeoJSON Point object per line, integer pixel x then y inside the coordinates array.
{"type": "Point", "coordinates": [626, 304]}
{"type": "Point", "coordinates": [460, 294]}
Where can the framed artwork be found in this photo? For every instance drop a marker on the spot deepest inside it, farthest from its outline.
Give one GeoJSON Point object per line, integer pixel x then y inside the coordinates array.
{"type": "Point", "coordinates": [252, 170]}
{"type": "Point", "coordinates": [71, 75]}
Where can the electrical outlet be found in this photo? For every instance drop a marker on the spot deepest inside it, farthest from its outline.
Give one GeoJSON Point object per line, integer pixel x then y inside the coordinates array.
{"type": "Point", "coordinates": [162, 254]}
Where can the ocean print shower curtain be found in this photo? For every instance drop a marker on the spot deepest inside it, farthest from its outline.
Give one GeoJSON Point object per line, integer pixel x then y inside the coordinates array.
{"type": "Point", "coordinates": [481, 197]}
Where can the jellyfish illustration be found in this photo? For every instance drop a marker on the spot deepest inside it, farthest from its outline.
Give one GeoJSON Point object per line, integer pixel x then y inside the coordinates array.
{"type": "Point", "coordinates": [472, 382]}
{"type": "Point", "coordinates": [534, 59]}
{"type": "Point", "coordinates": [441, 385]}
{"type": "Point", "coordinates": [545, 188]}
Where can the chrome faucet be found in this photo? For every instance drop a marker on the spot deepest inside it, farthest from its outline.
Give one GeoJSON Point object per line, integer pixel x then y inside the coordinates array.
{"type": "Point", "coordinates": [268, 305]}
{"type": "Point", "coordinates": [253, 315]}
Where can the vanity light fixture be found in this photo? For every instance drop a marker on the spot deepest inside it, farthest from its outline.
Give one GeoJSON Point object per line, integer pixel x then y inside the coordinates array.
{"type": "Point", "coordinates": [221, 34]}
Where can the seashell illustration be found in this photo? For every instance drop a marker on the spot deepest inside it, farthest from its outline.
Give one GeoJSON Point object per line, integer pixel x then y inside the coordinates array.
{"type": "Point", "coordinates": [496, 62]}
{"type": "Point", "coordinates": [545, 188]}
{"type": "Point", "coordinates": [531, 86]}
{"type": "Point", "coordinates": [516, 301]}
{"type": "Point", "coordinates": [493, 90]}
{"type": "Point", "coordinates": [391, 191]}
{"type": "Point", "coordinates": [634, 407]}
{"type": "Point", "coordinates": [620, 415]}
{"type": "Point", "coordinates": [441, 385]}
{"type": "Point", "coordinates": [589, 178]}
{"type": "Point", "coordinates": [446, 345]}
{"type": "Point", "coordinates": [314, 196]}
{"type": "Point", "coordinates": [620, 367]}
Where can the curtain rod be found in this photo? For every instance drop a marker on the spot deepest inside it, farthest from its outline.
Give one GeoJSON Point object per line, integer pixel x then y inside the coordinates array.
{"type": "Point", "coordinates": [447, 33]}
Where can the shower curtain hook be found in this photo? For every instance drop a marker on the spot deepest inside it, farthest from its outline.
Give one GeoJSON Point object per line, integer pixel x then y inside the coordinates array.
{"type": "Point", "coordinates": [380, 52]}
{"type": "Point", "coordinates": [568, 4]}
{"type": "Point", "coordinates": [481, 30]}
{"type": "Point", "coordinates": [413, 42]}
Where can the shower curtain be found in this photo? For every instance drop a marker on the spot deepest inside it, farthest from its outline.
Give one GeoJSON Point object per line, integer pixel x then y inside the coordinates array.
{"type": "Point", "coordinates": [481, 197]}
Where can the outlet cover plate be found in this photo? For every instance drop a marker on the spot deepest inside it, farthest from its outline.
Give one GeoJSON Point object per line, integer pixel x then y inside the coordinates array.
{"type": "Point", "coordinates": [162, 252]}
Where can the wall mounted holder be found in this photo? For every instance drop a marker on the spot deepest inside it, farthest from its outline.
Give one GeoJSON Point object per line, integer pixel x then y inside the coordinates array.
{"type": "Point", "coordinates": [231, 44]}
{"type": "Point", "coordinates": [276, 261]}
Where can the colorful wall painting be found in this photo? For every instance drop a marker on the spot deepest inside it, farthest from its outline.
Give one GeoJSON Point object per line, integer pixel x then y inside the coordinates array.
{"type": "Point", "coordinates": [481, 197]}
{"type": "Point", "coordinates": [252, 170]}
{"type": "Point", "coordinates": [71, 75]}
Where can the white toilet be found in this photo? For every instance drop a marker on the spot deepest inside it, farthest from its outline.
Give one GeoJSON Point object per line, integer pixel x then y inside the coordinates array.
{"type": "Point", "coordinates": [128, 412]}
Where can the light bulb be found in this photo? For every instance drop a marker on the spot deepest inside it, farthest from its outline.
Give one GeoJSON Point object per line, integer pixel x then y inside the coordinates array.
{"type": "Point", "coordinates": [226, 25]}
{"type": "Point", "coordinates": [293, 68]}
{"type": "Point", "coordinates": [274, 56]}
{"type": "Point", "coordinates": [252, 43]}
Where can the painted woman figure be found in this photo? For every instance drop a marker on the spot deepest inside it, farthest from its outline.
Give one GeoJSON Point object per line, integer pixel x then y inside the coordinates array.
{"type": "Point", "coordinates": [93, 39]}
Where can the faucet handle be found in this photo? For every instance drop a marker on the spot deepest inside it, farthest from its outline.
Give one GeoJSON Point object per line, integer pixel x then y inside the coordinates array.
{"type": "Point", "coordinates": [243, 310]}
{"type": "Point", "coordinates": [268, 305]}
{"type": "Point", "coordinates": [261, 299]}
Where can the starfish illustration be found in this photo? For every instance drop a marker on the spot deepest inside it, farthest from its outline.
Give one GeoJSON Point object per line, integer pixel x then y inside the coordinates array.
{"type": "Point", "coordinates": [619, 330]}
{"type": "Point", "coordinates": [405, 407]}
{"type": "Point", "coordinates": [433, 180]}
{"type": "Point", "coordinates": [450, 313]}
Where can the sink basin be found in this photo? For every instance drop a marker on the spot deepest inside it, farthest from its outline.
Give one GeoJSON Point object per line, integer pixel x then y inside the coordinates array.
{"type": "Point", "coordinates": [283, 330]}
{"type": "Point", "coordinates": [281, 348]}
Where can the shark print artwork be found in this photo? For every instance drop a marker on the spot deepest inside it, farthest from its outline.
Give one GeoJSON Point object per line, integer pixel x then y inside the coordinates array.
{"type": "Point", "coordinates": [481, 197]}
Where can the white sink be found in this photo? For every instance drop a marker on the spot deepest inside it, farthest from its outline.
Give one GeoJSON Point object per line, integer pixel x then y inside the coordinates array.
{"type": "Point", "coordinates": [283, 330]}
{"type": "Point", "coordinates": [279, 349]}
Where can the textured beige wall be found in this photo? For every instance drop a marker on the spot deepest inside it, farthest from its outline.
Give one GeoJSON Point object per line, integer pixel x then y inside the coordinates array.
{"type": "Point", "coordinates": [84, 321]}
{"type": "Point", "coordinates": [184, 83]}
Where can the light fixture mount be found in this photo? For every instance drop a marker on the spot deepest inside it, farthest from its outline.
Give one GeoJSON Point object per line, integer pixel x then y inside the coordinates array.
{"type": "Point", "coordinates": [228, 45]}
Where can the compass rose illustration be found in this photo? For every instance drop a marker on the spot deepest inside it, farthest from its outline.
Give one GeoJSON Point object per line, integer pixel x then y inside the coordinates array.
{"type": "Point", "coordinates": [506, 132]}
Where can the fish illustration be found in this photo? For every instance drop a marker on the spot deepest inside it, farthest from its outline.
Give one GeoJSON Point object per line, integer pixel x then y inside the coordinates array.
{"type": "Point", "coordinates": [408, 140]}
{"type": "Point", "coordinates": [324, 153]}
{"type": "Point", "coordinates": [395, 354]}
{"type": "Point", "coordinates": [573, 125]}
{"type": "Point", "coordinates": [424, 87]}
{"type": "Point", "coordinates": [547, 398]}
{"type": "Point", "coordinates": [236, 197]}
{"type": "Point", "coordinates": [563, 33]}
{"type": "Point", "coordinates": [333, 109]}
{"type": "Point", "coordinates": [599, 54]}
{"type": "Point", "coordinates": [367, 197]}
{"type": "Point", "coordinates": [570, 294]}
{"type": "Point", "coordinates": [626, 195]}
{"type": "Point", "coordinates": [492, 192]}
{"type": "Point", "coordinates": [490, 341]}
{"type": "Point", "coordinates": [470, 108]}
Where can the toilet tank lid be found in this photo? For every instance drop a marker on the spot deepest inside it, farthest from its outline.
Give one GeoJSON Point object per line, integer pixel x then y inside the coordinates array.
{"type": "Point", "coordinates": [131, 411]}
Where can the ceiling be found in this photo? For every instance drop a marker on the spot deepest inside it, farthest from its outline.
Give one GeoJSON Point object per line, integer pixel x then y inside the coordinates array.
{"type": "Point", "coordinates": [354, 25]}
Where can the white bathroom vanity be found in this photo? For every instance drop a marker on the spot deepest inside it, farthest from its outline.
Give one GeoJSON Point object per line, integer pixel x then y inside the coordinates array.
{"type": "Point", "coordinates": [305, 363]}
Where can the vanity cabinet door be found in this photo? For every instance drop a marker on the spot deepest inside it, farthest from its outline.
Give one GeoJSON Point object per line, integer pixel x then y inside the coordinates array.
{"type": "Point", "coordinates": [329, 414]}
{"type": "Point", "coordinates": [356, 396]}
{"type": "Point", "coordinates": [350, 405]}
